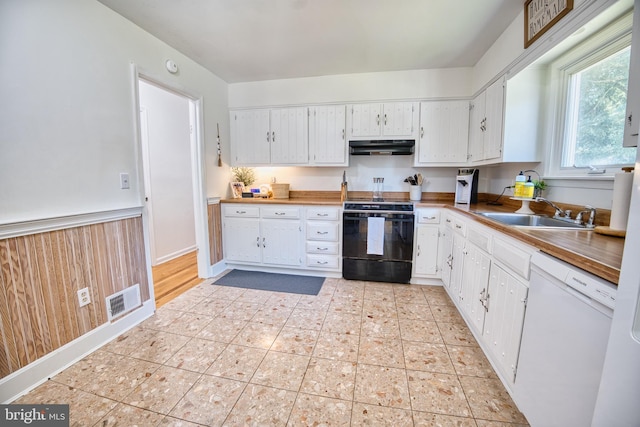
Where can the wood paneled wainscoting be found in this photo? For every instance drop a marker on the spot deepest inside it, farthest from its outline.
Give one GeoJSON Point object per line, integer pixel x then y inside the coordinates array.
{"type": "Point", "coordinates": [41, 272]}
{"type": "Point", "coordinates": [214, 215]}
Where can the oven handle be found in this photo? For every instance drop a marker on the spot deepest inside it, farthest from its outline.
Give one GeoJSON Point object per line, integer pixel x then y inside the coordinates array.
{"type": "Point", "coordinates": [391, 214]}
{"type": "Point", "coordinates": [364, 218]}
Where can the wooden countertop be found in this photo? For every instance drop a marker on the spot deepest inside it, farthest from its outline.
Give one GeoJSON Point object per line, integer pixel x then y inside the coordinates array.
{"type": "Point", "coordinates": [598, 254]}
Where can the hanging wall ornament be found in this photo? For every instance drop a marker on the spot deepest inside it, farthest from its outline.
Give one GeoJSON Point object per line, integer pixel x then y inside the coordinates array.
{"type": "Point", "coordinates": [219, 150]}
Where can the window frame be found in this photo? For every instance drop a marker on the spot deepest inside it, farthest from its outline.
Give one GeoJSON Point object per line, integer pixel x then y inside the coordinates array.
{"type": "Point", "coordinates": [597, 47]}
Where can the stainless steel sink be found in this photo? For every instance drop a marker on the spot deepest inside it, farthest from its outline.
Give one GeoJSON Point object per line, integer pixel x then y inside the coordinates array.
{"type": "Point", "coordinates": [537, 221]}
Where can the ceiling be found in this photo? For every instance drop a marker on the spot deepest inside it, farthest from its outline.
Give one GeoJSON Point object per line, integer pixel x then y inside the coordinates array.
{"type": "Point", "coordinates": [251, 40]}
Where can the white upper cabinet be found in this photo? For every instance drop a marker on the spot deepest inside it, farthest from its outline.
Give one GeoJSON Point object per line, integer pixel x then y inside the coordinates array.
{"type": "Point", "coordinates": [486, 122]}
{"type": "Point", "coordinates": [327, 136]}
{"type": "Point", "coordinates": [289, 136]}
{"type": "Point", "coordinates": [382, 121]}
{"type": "Point", "coordinates": [523, 116]}
{"type": "Point", "coordinates": [269, 136]}
{"type": "Point", "coordinates": [505, 119]}
{"type": "Point", "coordinates": [250, 137]}
{"type": "Point", "coordinates": [632, 121]}
{"type": "Point", "coordinates": [444, 133]}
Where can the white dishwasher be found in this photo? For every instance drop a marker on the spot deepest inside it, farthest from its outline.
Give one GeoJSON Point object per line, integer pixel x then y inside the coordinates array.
{"type": "Point", "coordinates": [564, 340]}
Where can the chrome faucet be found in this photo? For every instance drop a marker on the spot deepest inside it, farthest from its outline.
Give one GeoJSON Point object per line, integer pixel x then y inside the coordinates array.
{"type": "Point", "coordinates": [560, 213]}
{"type": "Point", "coordinates": [592, 216]}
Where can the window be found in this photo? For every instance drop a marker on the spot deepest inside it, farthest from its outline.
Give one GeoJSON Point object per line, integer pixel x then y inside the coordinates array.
{"type": "Point", "coordinates": [592, 97]}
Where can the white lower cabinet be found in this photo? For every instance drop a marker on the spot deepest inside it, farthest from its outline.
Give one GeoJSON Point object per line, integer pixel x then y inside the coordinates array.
{"type": "Point", "coordinates": [323, 237]}
{"type": "Point", "coordinates": [265, 235]}
{"type": "Point", "coordinates": [486, 275]}
{"type": "Point", "coordinates": [241, 240]}
{"type": "Point", "coordinates": [506, 302]}
{"type": "Point", "coordinates": [281, 242]}
{"type": "Point", "coordinates": [475, 280]}
{"type": "Point", "coordinates": [427, 244]}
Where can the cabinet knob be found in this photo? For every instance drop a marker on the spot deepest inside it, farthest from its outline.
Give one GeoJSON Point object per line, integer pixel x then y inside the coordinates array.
{"type": "Point", "coordinates": [268, 137]}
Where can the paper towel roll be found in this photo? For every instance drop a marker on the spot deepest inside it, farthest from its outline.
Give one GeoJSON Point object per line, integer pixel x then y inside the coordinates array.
{"type": "Point", "coordinates": [622, 184]}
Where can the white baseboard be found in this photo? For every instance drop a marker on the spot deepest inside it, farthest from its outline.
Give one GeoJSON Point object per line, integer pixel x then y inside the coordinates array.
{"type": "Point", "coordinates": [22, 381]}
{"type": "Point", "coordinates": [217, 269]}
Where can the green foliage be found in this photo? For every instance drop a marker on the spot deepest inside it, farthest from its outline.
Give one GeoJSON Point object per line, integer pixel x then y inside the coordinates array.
{"type": "Point", "coordinates": [601, 114]}
{"type": "Point", "coordinates": [245, 175]}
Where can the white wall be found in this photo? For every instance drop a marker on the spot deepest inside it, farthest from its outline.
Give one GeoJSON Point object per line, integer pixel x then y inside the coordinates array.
{"type": "Point", "coordinates": [67, 126]}
{"type": "Point", "coordinates": [415, 84]}
{"type": "Point", "coordinates": [360, 173]}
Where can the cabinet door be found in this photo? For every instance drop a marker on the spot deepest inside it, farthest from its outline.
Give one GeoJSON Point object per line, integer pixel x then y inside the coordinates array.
{"type": "Point", "coordinates": [250, 137]}
{"type": "Point", "coordinates": [475, 279]}
{"type": "Point", "coordinates": [457, 266]}
{"type": "Point", "coordinates": [282, 242]}
{"type": "Point", "coordinates": [444, 132]}
{"type": "Point", "coordinates": [494, 110]}
{"type": "Point", "coordinates": [504, 319]}
{"type": "Point", "coordinates": [289, 136]}
{"type": "Point", "coordinates": [426, 250]}
{"type": "Point", "coordinates": [446, 255]}
{"type": "Point", "coordinates": [477, 120]}
{"type": "Point", "coordinates": [398, 118]}
{"type": "Point", "coordinates": [241, 239]}
{"type": "Point", "coordinates": [365, 120]}
{"type": "Point", "coordinates": [327, 139]}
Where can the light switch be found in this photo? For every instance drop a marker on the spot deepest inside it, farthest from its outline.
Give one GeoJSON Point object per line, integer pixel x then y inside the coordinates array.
{"type": "Point", "coordinates": [124, 181]}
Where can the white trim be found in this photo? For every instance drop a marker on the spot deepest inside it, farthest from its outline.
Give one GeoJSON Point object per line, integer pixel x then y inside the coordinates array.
{"type": "Point", "coordinates": [59, 223]}
{"type": "Point", "coordinates": [27, 378]}
{"type": "Point", "coordinates": [196, 119]}
{"type": "Point", "coordinates": [175, 254]}
{"type": "Point", "coordinates": [217, 269]}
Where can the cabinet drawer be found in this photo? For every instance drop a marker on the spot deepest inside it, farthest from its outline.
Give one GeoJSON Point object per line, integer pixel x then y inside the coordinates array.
{"type": "Point", "coordinates": [428, 216]}
{"type": "Point", "coordinates": [327, 214]}
{"type": "Point", "coordinates": [449, 220]}
{"type": "Point", "coordinates": [242, 211]}
{"type": "Point", "coordinates": [280, 212]}
{"type": "Point", "coordinates": [329, 248]}
{"type": "Point", "coordinates": [459, 226]}
{"type": "Point", "coordinates": [480, 239]}
{"type": "Point", "coordinates": [514, 258]}
{"type": "Point", "coordinates": [323, 261]}
{"type": "Point", "coordinates": [323, 231]}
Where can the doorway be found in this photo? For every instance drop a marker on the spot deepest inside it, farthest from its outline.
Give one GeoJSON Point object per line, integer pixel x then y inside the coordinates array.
{"type": "Point", "coordinates": [172, 176]}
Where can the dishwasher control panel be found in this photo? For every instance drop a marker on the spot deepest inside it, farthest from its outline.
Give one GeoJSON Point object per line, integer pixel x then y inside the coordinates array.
{"type": "Point", "coordinates": [586, 283]}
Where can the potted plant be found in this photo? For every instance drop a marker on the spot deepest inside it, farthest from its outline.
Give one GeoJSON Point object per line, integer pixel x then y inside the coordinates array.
{"type": "Point", "coordinates": [538, 188]}
{"type": "Point", "coordinates": [242, 177]}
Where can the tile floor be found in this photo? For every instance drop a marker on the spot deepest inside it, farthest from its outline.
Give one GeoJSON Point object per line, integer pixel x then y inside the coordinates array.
{"type": "Point", "coordinates": [359, 353]}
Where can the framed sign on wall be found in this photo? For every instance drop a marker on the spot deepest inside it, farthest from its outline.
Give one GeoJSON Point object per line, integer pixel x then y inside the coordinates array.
{"type": "Point", "coordinates": [540, 15]}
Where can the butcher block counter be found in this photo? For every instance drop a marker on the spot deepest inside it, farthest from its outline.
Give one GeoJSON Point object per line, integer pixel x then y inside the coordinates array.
{"type": "Point", "coordinates": [595, 253]}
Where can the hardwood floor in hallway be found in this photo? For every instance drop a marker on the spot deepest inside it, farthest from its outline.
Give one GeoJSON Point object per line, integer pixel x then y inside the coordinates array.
{"type": "Point", "coordinates": [174, 277]}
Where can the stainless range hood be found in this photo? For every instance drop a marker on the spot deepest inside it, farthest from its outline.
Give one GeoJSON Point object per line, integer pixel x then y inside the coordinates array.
{"type": "Point", "coordinates": [396, 147]}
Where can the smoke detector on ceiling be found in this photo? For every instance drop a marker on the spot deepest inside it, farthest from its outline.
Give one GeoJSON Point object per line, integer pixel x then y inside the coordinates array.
{"type": "Point", "coordinates": [172, 67]}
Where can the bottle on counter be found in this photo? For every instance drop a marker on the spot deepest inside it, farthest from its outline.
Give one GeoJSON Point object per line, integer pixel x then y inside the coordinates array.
{"type": "Point", "coordinates": [518, 191]}
{"type": "Point", "coordinates": [528, 189]}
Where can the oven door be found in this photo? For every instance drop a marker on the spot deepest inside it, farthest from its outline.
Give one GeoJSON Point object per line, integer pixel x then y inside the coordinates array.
{"type": "Point", "coordinates": [394, 265]}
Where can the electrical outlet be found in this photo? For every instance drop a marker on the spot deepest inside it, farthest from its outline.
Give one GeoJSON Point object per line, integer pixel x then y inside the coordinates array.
{"type": "Point", "coordinates": [83, 297]}
{"type": "Point", "coordinates": [124, 181]}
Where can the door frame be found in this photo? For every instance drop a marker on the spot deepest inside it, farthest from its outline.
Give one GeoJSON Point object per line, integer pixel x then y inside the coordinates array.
{"type": "Point", "coordinates": [197, 167]}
